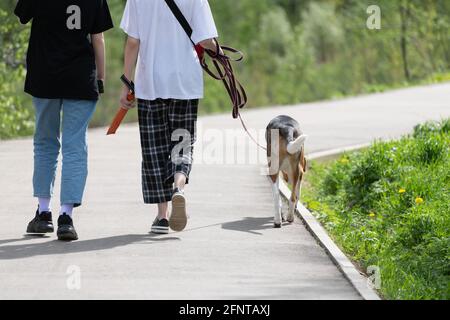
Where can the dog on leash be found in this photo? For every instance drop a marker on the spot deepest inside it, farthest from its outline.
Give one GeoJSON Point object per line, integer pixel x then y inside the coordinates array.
{"type": "Point", "coordinates": [286, 155]}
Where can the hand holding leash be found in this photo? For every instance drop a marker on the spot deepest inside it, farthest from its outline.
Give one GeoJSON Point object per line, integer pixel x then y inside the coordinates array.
{"type": "Point", "coordinates": [127, 100]}
{"type": "Point", "coordinates": [123, 110]}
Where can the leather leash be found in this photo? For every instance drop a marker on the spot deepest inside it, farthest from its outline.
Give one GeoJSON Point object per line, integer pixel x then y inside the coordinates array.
{"type": "Point", "coordinates": [224, 69]}
{"type": "Point", "coordinates": [225, 73]}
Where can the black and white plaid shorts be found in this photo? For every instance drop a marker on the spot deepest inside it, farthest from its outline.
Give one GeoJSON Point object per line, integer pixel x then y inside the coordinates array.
{"type": "Point", "coordinates": [168, 133]}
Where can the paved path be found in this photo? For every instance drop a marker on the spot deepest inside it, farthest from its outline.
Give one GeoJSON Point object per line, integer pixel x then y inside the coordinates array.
{"type": "Point", "coordinates": [229, 250]}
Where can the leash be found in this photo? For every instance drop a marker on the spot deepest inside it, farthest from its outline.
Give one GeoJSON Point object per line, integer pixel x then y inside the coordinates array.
{"type": "Point", "coordinates": [224, 69]}
{"type": "Point", "coordinates": [225, 73]}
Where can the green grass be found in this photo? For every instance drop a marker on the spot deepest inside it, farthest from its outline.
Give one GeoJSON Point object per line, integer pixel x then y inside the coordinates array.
{"type": "Point", "coordinates": [389, 206]}
{"type": "Point", "coordinates": [432, 79]}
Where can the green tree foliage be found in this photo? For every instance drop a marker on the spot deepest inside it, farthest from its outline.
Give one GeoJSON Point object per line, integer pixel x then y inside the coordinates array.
{"type": "Point", "coordinates": [296, 51]}
{"type": "Point", "coordinates": [15, 114]}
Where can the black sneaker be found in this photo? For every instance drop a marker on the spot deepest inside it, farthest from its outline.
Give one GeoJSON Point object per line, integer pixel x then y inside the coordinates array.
{"type": "Point", "coordinates": [66, 230]}
{"type": "Point", "coordinates": [42, 223]}
{"type": "Point", "coordinates": [178, 218]}
{"type": "Point", "coordinates": [160, 226]}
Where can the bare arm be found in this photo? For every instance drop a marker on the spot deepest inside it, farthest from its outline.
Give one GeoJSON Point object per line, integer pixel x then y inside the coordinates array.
{"type": "Point", "coordinates": [98, 42]}
{"type": "Point", "coordinates": [131, 55]}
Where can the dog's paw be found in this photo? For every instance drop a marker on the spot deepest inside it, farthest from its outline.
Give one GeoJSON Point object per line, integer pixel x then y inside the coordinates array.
{"type": "Point", "coordinates": [277, 225]}
{"type": "Point", "coordinates": [290, 218]}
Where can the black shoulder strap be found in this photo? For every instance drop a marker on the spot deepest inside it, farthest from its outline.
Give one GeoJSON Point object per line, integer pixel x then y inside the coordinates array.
{"type": "Point", "coordinates": [180, 17]}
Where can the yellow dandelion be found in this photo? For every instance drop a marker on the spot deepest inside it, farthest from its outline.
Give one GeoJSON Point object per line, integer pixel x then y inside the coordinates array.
{"type": "Point", "coordinates": [419, 200]}
{"type": "Point", "coordinates": [345, 161]}
{"type": "Point", "coordinates": [401, 191]}
{"type": "Point", "coordinates": [372, 215]}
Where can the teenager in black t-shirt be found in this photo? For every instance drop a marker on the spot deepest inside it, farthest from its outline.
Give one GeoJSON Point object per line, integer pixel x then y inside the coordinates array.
{"type": "Point", "coordinates": [65, 74]}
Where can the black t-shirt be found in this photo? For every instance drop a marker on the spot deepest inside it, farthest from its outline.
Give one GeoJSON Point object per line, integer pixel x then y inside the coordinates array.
{"type": "Point", "coordinates": [60, 58]}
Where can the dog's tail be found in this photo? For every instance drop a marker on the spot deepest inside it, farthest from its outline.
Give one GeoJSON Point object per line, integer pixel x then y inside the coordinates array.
{"type": "Point", "coordinates": [296, 145]}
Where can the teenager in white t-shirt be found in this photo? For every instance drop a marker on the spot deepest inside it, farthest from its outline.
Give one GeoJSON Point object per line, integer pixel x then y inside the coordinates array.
{"type": "Point", "coordinates": [169, 84]}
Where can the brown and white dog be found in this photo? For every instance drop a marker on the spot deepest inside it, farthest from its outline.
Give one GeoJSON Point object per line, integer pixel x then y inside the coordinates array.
{"type": "Point", "coordinates": [285, 154]}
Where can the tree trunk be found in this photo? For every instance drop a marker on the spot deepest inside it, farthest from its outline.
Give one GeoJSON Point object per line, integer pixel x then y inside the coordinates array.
{"type": "Point", "coordinates": [404, 16]}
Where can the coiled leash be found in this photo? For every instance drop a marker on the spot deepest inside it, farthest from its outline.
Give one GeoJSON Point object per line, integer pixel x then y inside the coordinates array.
{"type": "Point", "coordinates": [225, 73]}
{"type": "Point", "coordinates": [222, 63]}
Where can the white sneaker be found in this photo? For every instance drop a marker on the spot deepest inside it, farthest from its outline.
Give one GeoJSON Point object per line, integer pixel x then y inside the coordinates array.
{"type": "Point", "coordinates": [178, 218]}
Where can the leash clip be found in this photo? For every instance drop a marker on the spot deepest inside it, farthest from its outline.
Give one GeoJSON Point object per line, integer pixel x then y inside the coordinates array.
{"type": "Point", "coordinates": [128, 83]}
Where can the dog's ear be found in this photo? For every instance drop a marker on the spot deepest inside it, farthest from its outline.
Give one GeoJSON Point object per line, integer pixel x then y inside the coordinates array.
{"type": "Point", "coordinates": [305, 164]}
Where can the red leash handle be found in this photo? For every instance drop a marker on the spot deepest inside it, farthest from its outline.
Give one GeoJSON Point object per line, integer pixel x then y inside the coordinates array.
{"type": "Point", "coordinates": [120, 115]}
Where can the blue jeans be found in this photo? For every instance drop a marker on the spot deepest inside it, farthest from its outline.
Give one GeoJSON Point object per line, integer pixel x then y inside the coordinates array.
{"type": "Point", "coordinates": [75, 115]}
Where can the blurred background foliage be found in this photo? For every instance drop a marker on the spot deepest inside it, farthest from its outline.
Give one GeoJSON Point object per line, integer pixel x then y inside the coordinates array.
{"type": "Point", "coordinates": [296, 51]}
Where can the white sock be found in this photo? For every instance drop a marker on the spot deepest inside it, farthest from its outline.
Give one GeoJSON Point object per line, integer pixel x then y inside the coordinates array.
{"type": "Point", "coordinates": [44, 205]}
{"type": "Point", "coordinates": [67, 209]}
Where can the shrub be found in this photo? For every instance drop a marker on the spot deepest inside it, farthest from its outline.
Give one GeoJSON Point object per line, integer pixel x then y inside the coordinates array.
{"type": "Point", "coordinates": [15, 115]}
{"type": "Point", "coordinates": [390, 206]}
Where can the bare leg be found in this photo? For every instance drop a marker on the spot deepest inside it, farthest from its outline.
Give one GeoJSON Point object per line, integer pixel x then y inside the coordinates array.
{"type": "Point", "coordinates": [180, 180]}
{"type": "Point", "coordinates": [163, 210]}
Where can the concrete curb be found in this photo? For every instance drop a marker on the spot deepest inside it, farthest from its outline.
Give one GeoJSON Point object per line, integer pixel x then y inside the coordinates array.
{"type": "Point", "coordinates": [357, 280]}
{"type": "Point", "coordinates": [323, 155]}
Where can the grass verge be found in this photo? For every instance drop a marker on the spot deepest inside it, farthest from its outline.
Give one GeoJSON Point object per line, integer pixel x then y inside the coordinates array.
{"type": "Point", "coordinates": [389, 206]}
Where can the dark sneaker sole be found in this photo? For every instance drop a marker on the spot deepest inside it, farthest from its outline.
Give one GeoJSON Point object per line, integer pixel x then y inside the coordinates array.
{"type": "Point", "coordinates": [159, 230]}
{"type": "Point", "coordinates": [40, 230]}
{"type": "Point", "coordinates": [67, 236]}
{"type": "Point", "coordinates": [178, 218]}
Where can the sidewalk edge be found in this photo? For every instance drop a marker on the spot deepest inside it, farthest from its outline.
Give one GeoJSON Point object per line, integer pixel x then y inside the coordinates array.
{"type": "Point", "coordinates": [357, 280]}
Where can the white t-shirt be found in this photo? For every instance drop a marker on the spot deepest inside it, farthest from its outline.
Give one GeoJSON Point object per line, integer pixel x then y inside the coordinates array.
{"type": "Point", "coordinates": [168, 66]}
